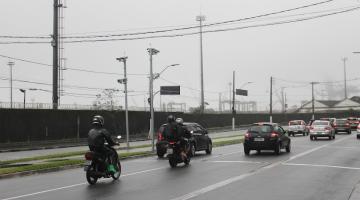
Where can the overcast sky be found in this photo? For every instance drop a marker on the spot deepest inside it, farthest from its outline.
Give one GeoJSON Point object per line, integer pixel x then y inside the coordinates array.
{"type": "Point", "coordinates": [298, 52]}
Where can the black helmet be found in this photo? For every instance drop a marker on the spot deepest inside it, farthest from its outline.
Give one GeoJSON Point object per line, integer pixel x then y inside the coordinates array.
{"type": "Point", "coordinates": [171, 118]}
{"type": "Point", "coordinates": [98, 120]}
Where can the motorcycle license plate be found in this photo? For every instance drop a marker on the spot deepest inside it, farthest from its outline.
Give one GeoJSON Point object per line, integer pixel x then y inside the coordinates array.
{"type": "Point", "coordinates": [87, 165]}
{"type": "Point", "coordinates": [170, 151]}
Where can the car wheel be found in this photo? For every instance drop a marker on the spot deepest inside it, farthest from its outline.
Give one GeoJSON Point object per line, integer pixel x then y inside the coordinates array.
{"type": "Point", "coordinates": [311, 138]}
{"type": "Point", "coordinates": [192, 150]}
{"type": "Point", "coordinates": [349, 132]}
{"type": "Point", "coordinates": [330, 137]}
{"type": "Point", "coordinates": [209, 148]}
{"type": "Point", "coordinates": [246, 151]}
{"type": "Point", "coordinates": [277, 149]}
{"type": "Point", "coordinates": [315, 138]}
{"type": "Point", "coordinates": [288, 147]}
{"type": "Point", "coordinates": [334, 137]}
{"type": "Point", "coordinates": [304, 133]}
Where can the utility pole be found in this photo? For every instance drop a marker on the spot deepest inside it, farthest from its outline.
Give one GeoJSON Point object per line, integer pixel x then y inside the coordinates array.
{"type": "Point", "coordinates": [220, 102]}
{"type": "Point", "coordinates": [233, 103]}
{"type": "Point", "coordinates": [124, 81]}
{"type": "Point", "coordinates": [313, 99]}
{"type": "Point", "coordinates": [11, 64]}
{"type": "Point", "coordinates": [344, 60]}
{"type": "Point", "coordinates": [201, 18]}
{"type": "Point", "coordinates": [282, 99]}
{"type": "Point", "coordinates": [55, 43]}
{"type": "Point", "coordinates": [230, 96]}
{"type": "Point", "coordinates": [271, 83]}
{"type": "Point", "coordinates": [152, 52]}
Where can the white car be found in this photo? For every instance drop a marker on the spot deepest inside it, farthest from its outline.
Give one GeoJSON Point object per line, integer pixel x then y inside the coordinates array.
{"type": "Point", "coordinates": [297, 127]}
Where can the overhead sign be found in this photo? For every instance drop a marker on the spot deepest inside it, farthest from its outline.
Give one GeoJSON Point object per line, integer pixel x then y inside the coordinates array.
{"type": "Point", "coordinates": [241, 92]}
{"type": "Point", "coordinates": [169, 90]}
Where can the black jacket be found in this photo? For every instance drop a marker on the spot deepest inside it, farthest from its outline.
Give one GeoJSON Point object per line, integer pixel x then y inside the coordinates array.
{"type": "Point", "coordinates": [97, 137]}
{"type": "Point", "coordinates": [173, 131]}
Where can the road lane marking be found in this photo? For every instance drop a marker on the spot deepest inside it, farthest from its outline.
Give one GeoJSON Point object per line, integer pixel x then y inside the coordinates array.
{"type": "Point", "coordinates": [236, 161]}
{"type": "Point", "coordinates": [347, 148]}
{"type": "Point", "coordinates": [327, 166]}
{"type": "Point", "coordinates": [79, 184]}
{"type": "Point", "coordinates": [243, 176]}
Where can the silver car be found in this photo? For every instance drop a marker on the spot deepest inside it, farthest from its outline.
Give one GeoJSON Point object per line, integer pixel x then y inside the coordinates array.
{"type": "Point", "coordinates": [322, 128]}
{"type": "Point", "coordinates": [297, 127]}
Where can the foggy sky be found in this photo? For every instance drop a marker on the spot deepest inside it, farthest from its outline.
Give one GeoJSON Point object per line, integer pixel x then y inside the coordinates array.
{"type": "Point", "coordinates": [300, 52]}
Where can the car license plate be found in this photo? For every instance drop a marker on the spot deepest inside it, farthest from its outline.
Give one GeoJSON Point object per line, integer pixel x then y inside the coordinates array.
{"type": "Point", "coordinates": [259, 139]}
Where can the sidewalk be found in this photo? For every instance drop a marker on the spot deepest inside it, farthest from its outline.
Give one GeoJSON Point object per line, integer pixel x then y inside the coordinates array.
{"type": "Point", "coordinates": [4, 156]}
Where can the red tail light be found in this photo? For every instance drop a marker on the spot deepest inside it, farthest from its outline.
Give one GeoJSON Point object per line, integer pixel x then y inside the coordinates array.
{"type": "Point", "coordinates": [347, 124]}
{"type": "Point", "coordinates": [247, 135]}
{"type": "Point", "coordinates": [172, 143]}
{"type": "Point", "coordinates": [160, 136]}
{"type": "Point", "coordinates": [311, 127]}
{"type": "Point", "coordinates": [327, 128]}
{"type": "Point", "coordinates": [274, 135]}
{"type": "Point", "coordinates": [88, 155]}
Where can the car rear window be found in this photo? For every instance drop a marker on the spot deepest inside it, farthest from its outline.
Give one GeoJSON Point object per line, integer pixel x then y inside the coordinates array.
{"type": "Point", "coordinates": [341, 121]}
{"type": "Point", "coordinates": [260, 129]}
{"type": "Point", "coordinates": [291, 123]}
{"type": "Point", "coordinates": [320, 123]}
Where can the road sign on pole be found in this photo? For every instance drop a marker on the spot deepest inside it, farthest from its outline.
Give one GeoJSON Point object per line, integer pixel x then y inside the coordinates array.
{"type": "Point", "coordinates": [241, 92]}
{"type": "Point", "coordinates": [169, 90]}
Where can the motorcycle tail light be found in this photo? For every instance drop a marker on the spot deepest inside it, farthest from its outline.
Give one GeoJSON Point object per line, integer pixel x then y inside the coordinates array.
{"type": "Point", "coordinates": [88, 155]}
{"type": "Point", "coordinates": [274, 135]}
{"type": "Point", "coordinates": [160, 136]}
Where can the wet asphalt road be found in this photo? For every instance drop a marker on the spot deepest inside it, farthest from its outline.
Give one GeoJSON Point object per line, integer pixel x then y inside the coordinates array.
{"type": "Point", "coordinates": [318, 170]}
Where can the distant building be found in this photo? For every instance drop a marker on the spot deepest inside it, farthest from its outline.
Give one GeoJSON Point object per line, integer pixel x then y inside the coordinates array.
{"type": "Point", "coordinates": [333, 105]}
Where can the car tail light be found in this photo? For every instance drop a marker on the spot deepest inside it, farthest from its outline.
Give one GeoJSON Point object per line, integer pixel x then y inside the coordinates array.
{"type": "Point", "coordinates": [356, 122]}
{"type": "Point", "coordinates": [327, 128]}
{"type": "Point", "coordinates": [160, 136]}
{"type": "Point", "coordinates": [89, 155]}
{"type": "Point", "coordinates": [311, 127]}
{"type": "Point", "coordinates": [172, 143]}
{"type": "Point", "coordinates": [347, 124]}
{"type": "Point", "coordinates": [335, 124]}
{"type": "Point", "coordinates": [274, 135]}
{"type": "Point", "coordinates": [247, 135]}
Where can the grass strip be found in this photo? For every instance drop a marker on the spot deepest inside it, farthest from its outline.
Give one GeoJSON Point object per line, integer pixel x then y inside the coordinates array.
{"type": "Point", "coordinates": [56, 164]}
{"type": "Point", "coordinates": [227, 142]}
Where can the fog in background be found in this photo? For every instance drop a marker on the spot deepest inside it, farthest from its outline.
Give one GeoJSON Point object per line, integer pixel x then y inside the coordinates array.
{"type": "Point", "coordinates": [294, 53]}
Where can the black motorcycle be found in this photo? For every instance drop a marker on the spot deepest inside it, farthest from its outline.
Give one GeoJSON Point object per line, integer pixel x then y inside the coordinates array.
{"type": "Point", "coordinates": [174, 154]}
{"type": "Point", "coordinates": [98, 166]}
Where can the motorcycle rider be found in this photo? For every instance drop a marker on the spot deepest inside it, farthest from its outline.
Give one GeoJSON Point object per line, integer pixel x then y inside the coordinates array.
{"type": "Point", "coordinates": [184, 144]}
{"type": "Point", "coordinates": [97, 137]}
{"type": "Point", "coordinates": [173, 131]}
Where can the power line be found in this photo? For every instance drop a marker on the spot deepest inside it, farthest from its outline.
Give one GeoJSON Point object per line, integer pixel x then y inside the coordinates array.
{"type": "Point", "coordinates": [205, 25]}
{"type": "Point", "coordinates": [209, 31]}
{"type": "Point", "coordinates": [69, 68]}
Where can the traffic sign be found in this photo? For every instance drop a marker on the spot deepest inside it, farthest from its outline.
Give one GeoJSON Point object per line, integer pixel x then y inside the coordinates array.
{"type": "Point", "coordinates": [169, 90]}
{"type": "Point", "coordinates": [241, 92]}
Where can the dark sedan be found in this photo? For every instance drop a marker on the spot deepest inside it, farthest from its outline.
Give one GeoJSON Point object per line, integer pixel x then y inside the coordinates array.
{"type": "Point", "coordinates": [199, 140]}
{"type": "Point", "coordinates": [266, 136]}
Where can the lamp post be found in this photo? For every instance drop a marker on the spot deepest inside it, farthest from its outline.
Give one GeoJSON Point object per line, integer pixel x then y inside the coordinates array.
{"type": "Point", "coordinates": [151, 52]}
{"type": "Point", "coordinates": [200, 19]}
{"type": "Point", "coordinates": [23, 91]}
{"type": "Point", "coordinates": [124, 81]}
{"type": "Point", "coordinates": [344, 60]}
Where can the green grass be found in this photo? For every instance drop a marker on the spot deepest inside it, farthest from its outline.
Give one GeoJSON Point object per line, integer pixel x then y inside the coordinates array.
{"type": "Point", "coordinates": [56, 164]}
{"type": "Point", "coordinates": [227, 142]}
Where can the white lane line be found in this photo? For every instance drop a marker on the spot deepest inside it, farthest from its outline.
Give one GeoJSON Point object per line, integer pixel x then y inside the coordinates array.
{"type": "Point", "coordinates": [240, 177]}
{"type": "Point", "coordinates": [347, 148]}
{"type": "Point", "coordinates": [236, 161]}
{"type": "Point", "coordinates": [84, 183]}
{"type": "Point", "coordinates": [327, 166]}
{"type": "Point", "coordinates": [226, 154]}
{"type": "Point", "coordinates": [75, 185]}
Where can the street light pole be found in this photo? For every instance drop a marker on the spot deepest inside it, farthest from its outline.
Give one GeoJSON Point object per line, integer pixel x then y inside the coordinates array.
{"type": "Point", "coordinates": [344, 60]}
{"type": "Point", "coordinates": [11, 64]}
{"type": "Point", "coordinates": [201, 18]}
{"type": "Point", "coordinates": [271, 86]}
{"type": "Point", "coordinates": [152, 52]}
{"type": "Point", "coordinates": [24, 91]}
{"type": "Point", "coordinates": [124, 81]}
{"type": "Point", "coordinates": [233, 103]}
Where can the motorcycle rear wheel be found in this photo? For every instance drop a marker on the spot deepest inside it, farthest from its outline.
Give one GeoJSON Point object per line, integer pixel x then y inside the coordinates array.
{"type": "Point", "coordinates": [90, 179]}
{"type": "Point", "coordinates": [172, 162]}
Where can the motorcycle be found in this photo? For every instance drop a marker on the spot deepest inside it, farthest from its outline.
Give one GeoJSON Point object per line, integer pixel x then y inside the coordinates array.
{"type": "Point", "coordinates": [174, 154]}
{"type": "Point", "coordinates": [96, 165]}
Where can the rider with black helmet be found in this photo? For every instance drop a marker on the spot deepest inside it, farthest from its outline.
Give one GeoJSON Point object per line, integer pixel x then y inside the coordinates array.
{"type": "Point", "coordinates": [97, 137]}
{"type": "Point", "coordinates": [174, 131]}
